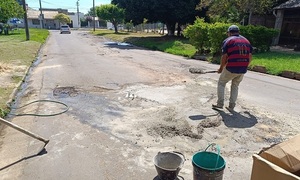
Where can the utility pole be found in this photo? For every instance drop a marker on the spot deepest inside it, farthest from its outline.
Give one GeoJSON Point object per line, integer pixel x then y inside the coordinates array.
{"type": "Point", "coordinates": [25, 20]}
{"type": "Point", "coordinates": [78, 13]}
{"type": "Point", "coordinates": [41, 15]}
{"type": "Point", "coordinates": [94, 14]}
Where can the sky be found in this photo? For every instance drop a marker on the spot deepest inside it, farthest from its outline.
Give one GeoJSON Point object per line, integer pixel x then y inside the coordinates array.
{"type": "Point", "coordinates": [84, 5]}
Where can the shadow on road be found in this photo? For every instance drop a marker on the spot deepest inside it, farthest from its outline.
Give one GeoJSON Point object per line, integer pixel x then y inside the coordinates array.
{"type": "Point", "coordinates": [23, 159]}
{"type": "Point", "coordinates": [238, 119]}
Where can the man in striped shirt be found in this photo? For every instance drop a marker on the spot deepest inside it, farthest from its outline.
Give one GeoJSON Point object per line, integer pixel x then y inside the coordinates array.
{"type": "Point", "coordinates": [236, 56]}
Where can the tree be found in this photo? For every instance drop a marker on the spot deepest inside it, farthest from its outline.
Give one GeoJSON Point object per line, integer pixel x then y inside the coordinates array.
{"type": "Point", "coordinates": [111, 13]}
{"type": "Point", "coordinates": [91, 12]}
{"type": "Point", "coordinates": [235, 10]}
{"type": "Point", "coordinates": [62, 18]}
{"type": "Point", "coordinates": [165, 11]}
{"type": "Point", "coordinates": [10, 9]}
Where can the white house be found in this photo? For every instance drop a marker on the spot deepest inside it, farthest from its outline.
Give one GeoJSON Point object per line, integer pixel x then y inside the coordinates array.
{"type": "Point", "coordinates": [35, 21]}
{"type": "Point", "coordinates": [75, 19]}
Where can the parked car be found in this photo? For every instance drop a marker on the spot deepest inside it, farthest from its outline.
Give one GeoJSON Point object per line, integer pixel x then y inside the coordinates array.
{"type": "Point", "coordinates": [65, 29]}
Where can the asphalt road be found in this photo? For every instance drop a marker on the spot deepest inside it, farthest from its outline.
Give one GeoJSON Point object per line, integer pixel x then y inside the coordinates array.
{"type": "Point", "coordinates": [93, 78]}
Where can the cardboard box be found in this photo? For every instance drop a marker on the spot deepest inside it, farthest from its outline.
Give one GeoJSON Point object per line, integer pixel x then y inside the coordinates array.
{"type": "Point", "coordinates": [279, 162]}
{"type": "Point", "coordinates": [265, 170]}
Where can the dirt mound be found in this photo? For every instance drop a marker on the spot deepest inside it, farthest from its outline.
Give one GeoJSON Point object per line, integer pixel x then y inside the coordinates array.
{"type": "Point", "coordinates": [171, 131]}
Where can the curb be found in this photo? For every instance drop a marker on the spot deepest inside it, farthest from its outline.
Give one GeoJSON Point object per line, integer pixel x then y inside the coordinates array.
{"type": "Point", "coordinates": [17, 88]}
{"type": "Point", "coordinates": [286, 74]}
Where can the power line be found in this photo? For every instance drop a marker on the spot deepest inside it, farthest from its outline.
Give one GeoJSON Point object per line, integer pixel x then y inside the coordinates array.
{"type": "Point", "coordinates": [67, 7]}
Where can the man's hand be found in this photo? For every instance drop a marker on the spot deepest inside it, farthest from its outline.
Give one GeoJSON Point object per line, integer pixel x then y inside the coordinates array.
{"type": "Point", "coordinates": [223, 62]}
{"type": "Point", "coordinates": [220, 70]}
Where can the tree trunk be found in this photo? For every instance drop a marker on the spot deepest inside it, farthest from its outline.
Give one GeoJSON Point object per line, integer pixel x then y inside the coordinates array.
{"type": "Point", "coordinates": [171, 29]}
{"type": "Point", "coordinates": [115, 24]}
{"type": "Point", "coordinates": [178, 30]}
{"type": "Point", "coordinates": [250, 16]}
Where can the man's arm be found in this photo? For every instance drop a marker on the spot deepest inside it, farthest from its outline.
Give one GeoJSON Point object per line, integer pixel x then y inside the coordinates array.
{"type": "Point", "coordinates": [223, 62]}
{"type": "Point", "coordinates": [250, 58]}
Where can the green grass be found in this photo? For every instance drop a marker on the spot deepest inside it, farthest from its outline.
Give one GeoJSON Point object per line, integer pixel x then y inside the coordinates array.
{"type": "Point", "coordinates": [4, 95]}
{"type": "Point", "coordinates": [172, 45]}
{"type": "Point", "coordinates": [16, 51]}
{"type": "Point", "coordinates": [276, 62]}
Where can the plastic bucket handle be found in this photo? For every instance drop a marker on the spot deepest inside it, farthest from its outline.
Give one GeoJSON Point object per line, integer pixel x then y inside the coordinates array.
{"type": "Point", "coordinates": [217, 147]}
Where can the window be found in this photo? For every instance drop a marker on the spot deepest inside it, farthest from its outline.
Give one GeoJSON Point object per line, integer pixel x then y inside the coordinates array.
{"type": "Point", "coordinates": [36, 22]}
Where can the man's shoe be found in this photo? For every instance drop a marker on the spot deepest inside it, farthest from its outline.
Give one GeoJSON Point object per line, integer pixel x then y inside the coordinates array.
{"type": "Point", "coordinates": [231, 109]}
{"type": "Point", "coordinates": [216, 106]}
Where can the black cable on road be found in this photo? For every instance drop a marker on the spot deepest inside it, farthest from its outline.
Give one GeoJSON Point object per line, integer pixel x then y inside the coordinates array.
{"type": "Point", "coordinates": [41, 115]}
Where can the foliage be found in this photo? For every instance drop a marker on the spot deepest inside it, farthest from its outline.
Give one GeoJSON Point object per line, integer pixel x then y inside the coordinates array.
{"type": "Point", "coordinates": [10, 9]}
{"type": "Point", "coordinates": [207, 36]}
{"type": "Point", "coordinates": [129, 26]}
{"type": "Point", "coordinates": [15, 52]}
{"type": "Point", "coordinates": [170, 13]}
{"type": "Point", "coordinates": [112, 13]}
{"type": "Point", "coordinates": [235, 10]}
{"type": "Point", "coordinates": [255, 6]}
{"type": "Point", "coordinates": [63, 18]}
{"type": "Point", "coordinates": [173, 45]}
{"type": "Point", "coordinates": [277, 62]}
{"type": "Point", "coordinates": [38, 35]}
{"type": "Point", "coordinates": [198, 35]}
{"type": "Point", "coordinates": [259, 36]}
{"type": "Point", "coordinates": [89, 18]}
{"type": "Point", "coordinates": [91, 12]}
{"type": "Point", "coordinates": [216, 35]}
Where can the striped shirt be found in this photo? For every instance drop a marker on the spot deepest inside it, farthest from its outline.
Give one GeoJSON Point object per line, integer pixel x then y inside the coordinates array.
{"type": "Point", "coordinates": [238, 49]}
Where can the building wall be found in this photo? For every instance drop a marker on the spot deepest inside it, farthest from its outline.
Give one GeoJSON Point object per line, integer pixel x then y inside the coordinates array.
{"type": "Point", "coordinates": [264, 20]}
{"type": "Point", "coordinates": [290, 29]}
{"type": "Point", "coordinates": [74, 19]}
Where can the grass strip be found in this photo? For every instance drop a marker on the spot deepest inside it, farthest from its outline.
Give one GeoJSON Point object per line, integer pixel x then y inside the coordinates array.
{"type": "Point", "coordinates": [277, 62]}
{"type": "Point", "coordinates": [15, 54]}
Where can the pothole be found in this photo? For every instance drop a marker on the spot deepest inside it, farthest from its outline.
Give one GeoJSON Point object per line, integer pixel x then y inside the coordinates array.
{"type": "Point", "coordinates": [63, 92]}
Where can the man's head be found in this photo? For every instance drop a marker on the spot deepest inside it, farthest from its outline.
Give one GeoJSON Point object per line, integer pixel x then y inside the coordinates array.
{"type": "Point", "coordinates": [233, 29]}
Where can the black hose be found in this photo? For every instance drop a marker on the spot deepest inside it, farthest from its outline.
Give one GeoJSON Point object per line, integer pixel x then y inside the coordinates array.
{"type": "Point", "coordinates": [41, 115]}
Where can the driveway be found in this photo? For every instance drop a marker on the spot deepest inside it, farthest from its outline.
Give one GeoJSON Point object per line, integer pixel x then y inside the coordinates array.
{"type": "Point", "coordinates": [126, 104]}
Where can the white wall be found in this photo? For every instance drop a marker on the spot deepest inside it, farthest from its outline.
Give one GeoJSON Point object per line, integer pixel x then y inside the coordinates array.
{"type": "Point", "coordinates": [111, 27]}
{"type": "Point", "coordinates": [74, 18]}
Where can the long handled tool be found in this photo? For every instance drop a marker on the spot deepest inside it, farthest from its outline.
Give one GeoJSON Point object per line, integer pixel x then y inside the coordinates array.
{"type": "Point", "coordinates": [200, 71]}
{"type": "Point", "coordinates": [26, 132]}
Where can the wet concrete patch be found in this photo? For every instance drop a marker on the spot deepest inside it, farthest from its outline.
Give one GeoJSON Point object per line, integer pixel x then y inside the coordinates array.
{"type": "Point", "coordinates": [94, 109]}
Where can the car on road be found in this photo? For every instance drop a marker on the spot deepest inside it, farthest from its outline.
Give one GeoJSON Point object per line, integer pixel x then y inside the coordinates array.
{"type": "Point", "coordinates": [65, 29]}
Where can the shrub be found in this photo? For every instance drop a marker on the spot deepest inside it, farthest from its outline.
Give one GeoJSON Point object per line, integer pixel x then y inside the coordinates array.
{"type": "Point", "coordinates": [259, 36]}
{"type": "Point", "coordinates": [198, 35]}
{"type": "Point", "coordinates": [217, 34]}
{"type": "Point", "coordinates": [205, 36]}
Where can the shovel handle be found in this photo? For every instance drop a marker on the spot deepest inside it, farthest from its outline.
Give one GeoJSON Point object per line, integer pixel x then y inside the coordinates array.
{"type": "Point", "coordinates": [211, 71]}
{"type": "Point", "coordinates": [24, 131]}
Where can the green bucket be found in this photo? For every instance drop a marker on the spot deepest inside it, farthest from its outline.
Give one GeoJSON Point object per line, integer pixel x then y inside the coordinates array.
{"type": "Point", "coordinates": [208, 165]}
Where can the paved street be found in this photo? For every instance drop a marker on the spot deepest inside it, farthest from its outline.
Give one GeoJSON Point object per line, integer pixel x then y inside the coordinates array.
{"type": "Point", "coordinates": [126, 104]}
